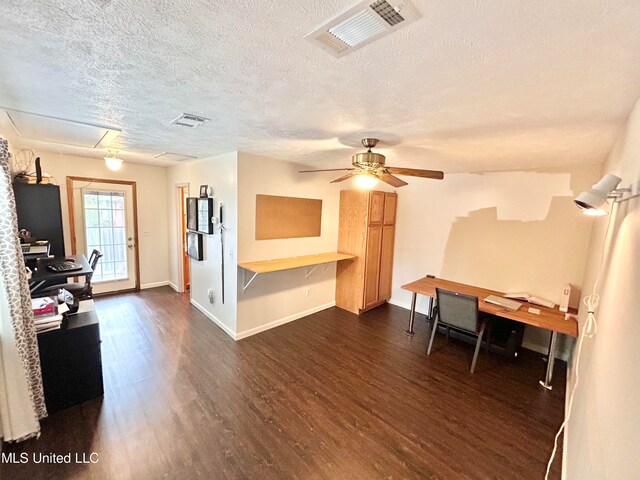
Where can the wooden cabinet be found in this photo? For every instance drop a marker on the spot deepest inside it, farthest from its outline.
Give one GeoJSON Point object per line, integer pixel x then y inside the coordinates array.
{"type": "Point", "coordinates": [367, 231]}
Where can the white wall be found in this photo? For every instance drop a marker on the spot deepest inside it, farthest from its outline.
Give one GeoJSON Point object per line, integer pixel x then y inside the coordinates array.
{"type": "Point", "coordinates": [221, 173]}
{"type": "Point", "coordinates": [602, 435]}
{"type": "Point", "coordinates": [509, 231]}
{"type": "Point", "coordinates": [275, 298]}
{"type": "Point", "coordinates": [152, 207]}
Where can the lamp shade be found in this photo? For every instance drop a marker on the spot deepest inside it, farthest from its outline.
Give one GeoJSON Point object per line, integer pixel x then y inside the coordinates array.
{"type": "Point", "coordinates": [592, 200]}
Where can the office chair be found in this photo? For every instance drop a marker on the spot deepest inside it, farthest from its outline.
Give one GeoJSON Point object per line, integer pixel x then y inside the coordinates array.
{"type": "Point", "coordinates": [459, 312]}
{"type": "Point", "coordinates": [81, 291]}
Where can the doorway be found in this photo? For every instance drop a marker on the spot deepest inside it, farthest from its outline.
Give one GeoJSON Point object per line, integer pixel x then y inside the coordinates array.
{"type": "Point", "coordinates": [103, 216]}
{"type": "Point", "coordinates": [183, 194]}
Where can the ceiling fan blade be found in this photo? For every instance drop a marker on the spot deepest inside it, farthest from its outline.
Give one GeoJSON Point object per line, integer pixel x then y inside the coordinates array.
{"type": "Point", "coordinates": [391, 180]}
{"type": "Point", "coordinates": [342, 178]}
{"type": "Point", "coordinates": [415, 172]}
{"type": "Point", "coordinates": [327, 170]}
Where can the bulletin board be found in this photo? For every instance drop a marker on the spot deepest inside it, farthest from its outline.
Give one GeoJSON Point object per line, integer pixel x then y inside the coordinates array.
{"type": "Point", "coordinates": [287, 217]}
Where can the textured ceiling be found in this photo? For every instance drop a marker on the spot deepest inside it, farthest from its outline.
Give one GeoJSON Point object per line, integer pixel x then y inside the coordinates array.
{"type": "Point", "coordinates": [471, 86]}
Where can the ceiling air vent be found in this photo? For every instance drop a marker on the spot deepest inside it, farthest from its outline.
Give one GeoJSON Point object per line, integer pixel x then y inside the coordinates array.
{"type": "Point", "coordinates": [174, 157]}
{"type": "Point", "coordinates": [189, 120]}
{"type": "Point", "coordinates": [362, 24]}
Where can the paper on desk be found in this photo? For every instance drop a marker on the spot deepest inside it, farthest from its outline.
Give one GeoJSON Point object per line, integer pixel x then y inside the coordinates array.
{"type": "Point", "coordinates": [63, 308]}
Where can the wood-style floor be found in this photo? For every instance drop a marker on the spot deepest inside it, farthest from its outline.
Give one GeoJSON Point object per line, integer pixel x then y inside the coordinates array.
{"type": "Point", "coordinates": [330, 396]}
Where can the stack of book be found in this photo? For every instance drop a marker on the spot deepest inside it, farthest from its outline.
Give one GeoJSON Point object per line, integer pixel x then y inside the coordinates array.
{"type": "Point", "coordinates": [45, 314]}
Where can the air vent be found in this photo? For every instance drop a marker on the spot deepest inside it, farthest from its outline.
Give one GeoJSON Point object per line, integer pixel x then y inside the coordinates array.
{"type": "Point", "coordinates": [362, 24]}
{"type": "Point", "coordinates": [189, 120]}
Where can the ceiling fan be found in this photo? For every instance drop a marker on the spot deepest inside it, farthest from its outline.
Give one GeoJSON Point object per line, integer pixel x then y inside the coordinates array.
{"type": "Point", "coordinates": [370, 167]}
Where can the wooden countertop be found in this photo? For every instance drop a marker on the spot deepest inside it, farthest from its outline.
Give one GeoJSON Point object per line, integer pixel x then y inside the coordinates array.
{"type": "Point", "coordinates": [288, 263]}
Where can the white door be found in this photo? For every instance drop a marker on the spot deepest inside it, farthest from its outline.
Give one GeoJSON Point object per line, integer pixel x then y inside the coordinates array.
{"type": "Point", "coordinates": [104, 221]}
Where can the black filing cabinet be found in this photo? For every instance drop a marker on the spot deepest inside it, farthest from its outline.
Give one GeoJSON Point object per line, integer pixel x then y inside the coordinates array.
{"type": "Point", "coordinates": [71, 362]}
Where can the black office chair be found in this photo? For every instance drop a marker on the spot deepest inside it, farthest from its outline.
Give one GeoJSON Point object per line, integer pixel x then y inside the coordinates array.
{"type": "Point", "coordinates": [459, 312]}
{"type": "Point", "coordinates": [81, 291]}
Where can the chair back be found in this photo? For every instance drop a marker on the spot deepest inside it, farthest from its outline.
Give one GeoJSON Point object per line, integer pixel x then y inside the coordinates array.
{"type": "Point", "coordinates": [93, 262]}
{"type": "Point", "coordinates": [458, 310]}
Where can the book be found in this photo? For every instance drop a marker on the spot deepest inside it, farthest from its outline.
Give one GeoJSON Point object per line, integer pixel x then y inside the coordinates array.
{"type": "Point", "coordinates": [531, 299]}
{"type": "Point", "coordinates": [43, 306]}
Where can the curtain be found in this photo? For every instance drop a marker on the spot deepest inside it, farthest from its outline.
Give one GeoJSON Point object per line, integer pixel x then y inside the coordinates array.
{"type": "Point", "coordinates": [21, 394]}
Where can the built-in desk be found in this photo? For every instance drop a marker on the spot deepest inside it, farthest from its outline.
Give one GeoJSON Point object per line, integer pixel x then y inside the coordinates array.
{"type": "Point", "coordinates": [288, 263]}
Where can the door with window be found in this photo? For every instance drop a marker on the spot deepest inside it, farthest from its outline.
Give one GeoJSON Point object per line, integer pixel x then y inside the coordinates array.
{"type": "Point", "coordinates": [104, 220]}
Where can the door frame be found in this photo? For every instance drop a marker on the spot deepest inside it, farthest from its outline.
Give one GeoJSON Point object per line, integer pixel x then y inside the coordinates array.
{"type": "Point", "coordinates": [178, 196]}
{"type": "Point", "coordinates": [72, 220]}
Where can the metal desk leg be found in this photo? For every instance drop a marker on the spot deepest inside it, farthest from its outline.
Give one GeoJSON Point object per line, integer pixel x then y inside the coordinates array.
{"type": "Point", "coordinates": [412, 315]}
{"type": "Point", "coordinates": [550, 361]}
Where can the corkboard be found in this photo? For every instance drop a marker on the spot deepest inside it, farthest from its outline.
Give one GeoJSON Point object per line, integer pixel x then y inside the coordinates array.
{"type": "Point", "coordinates": [287, 217]}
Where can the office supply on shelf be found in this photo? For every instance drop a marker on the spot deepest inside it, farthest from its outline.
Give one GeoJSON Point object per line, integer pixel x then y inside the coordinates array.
{"type": "Point", "coordinates": [503, 302]}
{"type": "Point", "coordinates": [530, 298]}
{"type": "Point", "coordinates": [549, 318]}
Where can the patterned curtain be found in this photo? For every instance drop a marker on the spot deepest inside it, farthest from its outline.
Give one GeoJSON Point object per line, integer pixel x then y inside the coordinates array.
{"type": "Point", "coordinates": [21, 394]}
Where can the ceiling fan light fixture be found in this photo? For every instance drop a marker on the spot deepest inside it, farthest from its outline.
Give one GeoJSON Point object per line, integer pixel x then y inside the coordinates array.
{"type": "Point", "coordinates": [366, 181]}
{"type": "Point", "coordinates": [113, 162]}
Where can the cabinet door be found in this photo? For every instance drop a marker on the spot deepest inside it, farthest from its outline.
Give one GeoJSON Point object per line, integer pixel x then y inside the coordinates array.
{"type": "Point", "coordinates": [390, 202]}
{"type": "Point", "coordinates": [386, 262]}
{"type": "Point", "coordinates": [376, 208]}
{"type": "Point", "coordinates": [372, 266]}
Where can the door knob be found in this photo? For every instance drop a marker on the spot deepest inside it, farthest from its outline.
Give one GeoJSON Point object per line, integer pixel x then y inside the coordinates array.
{"type": "Point", "coordinates": [130, 245]}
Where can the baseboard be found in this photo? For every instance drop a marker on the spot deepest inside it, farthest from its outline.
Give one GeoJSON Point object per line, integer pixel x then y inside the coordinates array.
{"type": "Point", "coordinates": [214, 319]}
{"type": "Point", "coordinates": [282, 321]}
{"type": "Point", "coordinates": [144, 286]}
{"type": "Point", "coordinates": [174, 286]}
{"type": "Point", "coordinates": [406, 306]}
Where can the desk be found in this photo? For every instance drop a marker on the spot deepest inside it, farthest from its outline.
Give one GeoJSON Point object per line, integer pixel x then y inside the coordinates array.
{"type": "Point", "coordinates": [550, 319]}
{"type": "Point", "coordinates": [42, 274]}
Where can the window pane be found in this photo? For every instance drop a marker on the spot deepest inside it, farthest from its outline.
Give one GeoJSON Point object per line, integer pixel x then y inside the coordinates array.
{"type": "Point", "coordinates": [91, 218]}
{"type": "Point", "coordinates": [120, 254]}
{"type": "Point", "coordinates": [104, 201]}
{"type": "Point", "coordinates": [119, 236]}
{"type": "Point", "coordinates": [90, 200]}
{"type": "Point", "coordinates": [106, 218]}
{"type": "Point", "coordinates": [121, 270]}
{"type": "Point", "coordinates": [118, 218]}
{"type": "Point", "coordinates": [108, 253]}
{"type": "Point", "coordinates": [117, 202]}
{"type": "Point", "coordinates": [106, 236]}
{"type": "Point", "coordinates": [93, 236]}
{"type": "Point", "coordinates": [108, 270]}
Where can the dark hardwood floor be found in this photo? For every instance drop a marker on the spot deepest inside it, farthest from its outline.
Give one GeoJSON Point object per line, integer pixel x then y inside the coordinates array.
{"type": "Point", "coordinates": [330, 396]}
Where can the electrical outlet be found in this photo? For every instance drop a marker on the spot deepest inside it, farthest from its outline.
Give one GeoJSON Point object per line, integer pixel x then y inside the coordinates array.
{"type": "Point", "coordinates": [307, 292]}
{"type": "Point", "coordinates": [210, 293]}
{"type": "Point", "coordinates": [145, 233]}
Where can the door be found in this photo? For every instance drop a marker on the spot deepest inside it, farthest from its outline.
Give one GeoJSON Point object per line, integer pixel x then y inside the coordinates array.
{"type": "Point", "coordinates": [372, 266]}
{"type": "Point", "coordinates": [104, 219]}
{"type": "Point", "coordinates": [184, 194]}
{"type": "Point", "coordinates": [376, 207]}
{"type": "Point", "coordinates": [386, 262]}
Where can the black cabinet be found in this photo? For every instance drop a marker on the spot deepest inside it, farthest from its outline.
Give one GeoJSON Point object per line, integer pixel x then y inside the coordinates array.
{"type": "Point", "coordinates": [39, 211]}
{"type": "Point", "coordinates": [71, 362]}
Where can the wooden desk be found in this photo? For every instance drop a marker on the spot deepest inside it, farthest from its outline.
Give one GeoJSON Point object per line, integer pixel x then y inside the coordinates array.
{"type": "Point", "coordinates": [550, 319]}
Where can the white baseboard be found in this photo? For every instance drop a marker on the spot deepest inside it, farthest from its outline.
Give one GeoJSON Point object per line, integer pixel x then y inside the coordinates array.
{"type": "Point", "coordinates": [144, 286]}
{"type": "Point", "coordinates": [174, 286]}
{"type": "Point", "coordinates": [282, 321]}
{"type": "Point", "coordinates": [214, 319]}
{"type": "Point", "coordinates": [406, 306]}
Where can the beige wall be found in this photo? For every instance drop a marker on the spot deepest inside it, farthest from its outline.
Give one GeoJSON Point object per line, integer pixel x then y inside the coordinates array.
{"type": "Point", "coordinates": [221, 173]}
{"type": "Point", "coordinates": [276, 298]}
{"type": "Point", "coordinates": [152, 206]}
{"type": "Point", "coordinates": [509, 231]}
{"type": "Point", "coordinates": [602, 435]}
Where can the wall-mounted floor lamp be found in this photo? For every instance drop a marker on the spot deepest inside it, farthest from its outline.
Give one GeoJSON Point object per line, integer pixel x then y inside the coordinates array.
{"type": "Point", "coordinates": [594, 201]}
